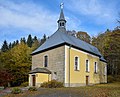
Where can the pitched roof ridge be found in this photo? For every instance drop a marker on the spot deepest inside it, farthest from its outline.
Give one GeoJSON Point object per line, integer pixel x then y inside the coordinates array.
{"type": "Point", "coordinates": [80, 40]}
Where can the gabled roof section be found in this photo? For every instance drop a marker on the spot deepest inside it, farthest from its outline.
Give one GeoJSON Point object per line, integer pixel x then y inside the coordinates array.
{"type": "Point", "coordinates": [61, 36]}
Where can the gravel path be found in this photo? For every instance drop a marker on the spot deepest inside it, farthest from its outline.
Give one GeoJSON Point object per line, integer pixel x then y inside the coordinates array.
{"type": "Point", "coordinates": [47, 93]}
{"type": "Point", "coordinates": [59, 93]}
{"type": "Point", "coordinates": [5, 91]}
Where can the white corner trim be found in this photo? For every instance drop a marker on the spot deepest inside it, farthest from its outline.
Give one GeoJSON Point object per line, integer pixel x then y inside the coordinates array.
{"type": "Point", "coordinates": [65, 64]}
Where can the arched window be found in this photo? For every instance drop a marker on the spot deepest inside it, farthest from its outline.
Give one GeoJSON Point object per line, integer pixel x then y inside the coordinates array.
{"type": "Point", "coordinates": [62, 24]}
{"type": "Point", "coordinates": [105, 70]}
{"type": "Point", "coordinates": [87, 66]}
{"type": "Point", "coordinates": [95, 67]}
{"type": "Point", "coordinates": [46, 61]}
{"type": "Point", "coordinates": [76, 64]}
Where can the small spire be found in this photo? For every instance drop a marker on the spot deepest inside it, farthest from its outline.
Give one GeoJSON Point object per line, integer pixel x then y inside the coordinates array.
{"type": "Point", "coordinates": [61, 21]}
{"type": "Point", "coordinates": [61, 13]}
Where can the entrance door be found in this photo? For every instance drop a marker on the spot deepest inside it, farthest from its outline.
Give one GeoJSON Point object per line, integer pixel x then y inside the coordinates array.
{"type": "Point", "coordinates": [87, 80]}
{"type": "Point", "coordinates": [33, 80]}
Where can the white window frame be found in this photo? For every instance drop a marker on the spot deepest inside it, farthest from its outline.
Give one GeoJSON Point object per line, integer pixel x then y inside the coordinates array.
{"type": "Point", "coordinates": [105, 70]}
{"type": "Point", "coordinates": [88, 66]}
{"type": "Point", "coordinates": [44, 60]}
{"type": "Point", "coordinates": [78, 65]}
{"type": "Point", "coordinates": [95, 67]}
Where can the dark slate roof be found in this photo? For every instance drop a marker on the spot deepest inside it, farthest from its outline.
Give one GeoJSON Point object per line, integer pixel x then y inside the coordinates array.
{"type": "Point", "coordinates": [40, 70]}
{"type": "Point", "coordinates": [102, 59]}
{"type": "Point", "coordinates": [61, 16]}
{"type": "Point", "coordinates": [60, 36]}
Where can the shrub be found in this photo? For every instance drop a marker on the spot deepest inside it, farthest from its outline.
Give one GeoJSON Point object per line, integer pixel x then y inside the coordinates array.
{"type": "Point", "coordinates": [32, 89]}
{"type": "Point", "coordinates": [52, 84]}
{"type": "Point", "coordinates": [44, 85]}
{"type": "Point", "coordinates": [25, 84]}
{"type": "Point", "coordinates": [110, 79]}
{"type": "Point", "coordinates": [16, 91]}
{"type": "Point", "coordinates": [117, 78]}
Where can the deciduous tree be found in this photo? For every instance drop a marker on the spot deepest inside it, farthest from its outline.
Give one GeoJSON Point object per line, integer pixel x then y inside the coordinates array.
{"type": "Point", "coordinates": [83, 36]}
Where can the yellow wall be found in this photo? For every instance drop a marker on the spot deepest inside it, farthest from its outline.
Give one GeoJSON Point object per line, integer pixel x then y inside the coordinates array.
{"type": "Point", "coordinates": [79, 77]}
{"type": "Point", "coordinates": [103, 76]}
{"type": "Point", "coordinates": [40, 78]}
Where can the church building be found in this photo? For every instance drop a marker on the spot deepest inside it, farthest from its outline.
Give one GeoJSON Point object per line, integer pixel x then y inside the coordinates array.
{"type": "Point", "coordinates": [65, 58]}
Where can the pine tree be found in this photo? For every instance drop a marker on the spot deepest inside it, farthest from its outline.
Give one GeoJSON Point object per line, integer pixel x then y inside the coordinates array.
{"type": "Point", "coordinates": [4, 46]}
{"type": "Point", "coordinates": [35, 44]}
{"type": "Point", "coordinates": [23, 40]}
{"type": "Point", "coordinates": [17, 42]}
{"type": "Point", "coordinates": [35, 39]}
{"type": "Point", "coordinates": [13, 44]}
{"type": "Point", "coordinates": [43, 39]}
{"type": "Point", "coordinates": [10, 45]}
{"type": "Point", "coordinates": [29, 41]}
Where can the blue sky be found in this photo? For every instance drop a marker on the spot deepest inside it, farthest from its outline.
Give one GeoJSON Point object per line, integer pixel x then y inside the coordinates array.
{"type": "Point", "coordinates": [19, 18]}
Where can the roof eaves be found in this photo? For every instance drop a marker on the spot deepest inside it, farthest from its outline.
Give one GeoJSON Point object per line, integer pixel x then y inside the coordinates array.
{"type": "Point", "coordinates": [40, 70]}
{"type": "Point", "coordinates": [62, 45]}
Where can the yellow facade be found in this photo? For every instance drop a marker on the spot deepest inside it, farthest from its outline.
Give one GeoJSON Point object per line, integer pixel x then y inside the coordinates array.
{"type": "Point", "coordinates": [78, 78]}
{"type": "Point", "coordinates": [72, 77]}
{"type": "Point", "coordinates": [39, 78]}
{"type": "Point", "coordinates": [42, 77]}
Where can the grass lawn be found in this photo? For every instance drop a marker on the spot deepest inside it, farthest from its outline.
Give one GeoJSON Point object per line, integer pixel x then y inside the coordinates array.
{"type": "Point", "coordinates": [101, 90]}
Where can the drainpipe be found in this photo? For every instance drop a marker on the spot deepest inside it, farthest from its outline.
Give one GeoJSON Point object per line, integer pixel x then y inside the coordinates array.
{"type": "Point", "coordinates": [69, 64]}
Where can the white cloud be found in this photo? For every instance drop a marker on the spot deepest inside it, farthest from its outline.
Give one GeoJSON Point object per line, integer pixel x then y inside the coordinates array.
{"type": "Point", "coordinates": [33, 17]}
{"type": "Point", "coordinates": [101, 12]}
{"type": "Point", "coordinates": [72, 22]}
{"type": "Point", "coordinates": [28, 16]}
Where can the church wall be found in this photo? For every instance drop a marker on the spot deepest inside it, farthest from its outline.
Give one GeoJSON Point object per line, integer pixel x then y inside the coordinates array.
{"type": "Point", "coordinates": [78, 78]}
{"type": "Point", "coordinates": [56, 62]}
{"type": "Point", "coordinates": [103, 72]}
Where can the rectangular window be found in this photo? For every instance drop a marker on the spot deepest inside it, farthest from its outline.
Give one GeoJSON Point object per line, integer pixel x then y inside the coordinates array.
{"type": "Point", "coordinates": [76, 63]}
{"type": "Point", "coordinates": [95, 67]}
{"type": "Point", "coordinates": [105, 70]}
{"type": "Point", "coordinates": [87, 66]}
{"type": "Point", "coordinates": [45, 61]}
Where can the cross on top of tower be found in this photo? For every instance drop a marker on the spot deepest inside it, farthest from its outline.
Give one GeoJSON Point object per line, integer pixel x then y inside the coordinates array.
{"type": "Point", "coordinates": [61, 21]}
{"type": "Point", "coordinates": [61, 5]}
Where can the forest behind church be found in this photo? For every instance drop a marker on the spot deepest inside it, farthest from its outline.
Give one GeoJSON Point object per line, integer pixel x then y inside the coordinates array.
{"type": "Point", "coordinates": [15, 58]}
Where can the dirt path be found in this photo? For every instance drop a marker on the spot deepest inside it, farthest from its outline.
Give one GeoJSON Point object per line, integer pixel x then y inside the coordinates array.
{"type": "Point", "coordinates": [5, 91]}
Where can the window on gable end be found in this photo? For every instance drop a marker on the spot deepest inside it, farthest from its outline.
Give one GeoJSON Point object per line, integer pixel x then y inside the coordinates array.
{"type": "Point", "coordinates": [46, 61]}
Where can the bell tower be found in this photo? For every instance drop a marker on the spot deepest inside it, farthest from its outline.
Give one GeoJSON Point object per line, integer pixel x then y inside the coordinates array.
{"type": "Point", "coordinates": [61, 21]}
